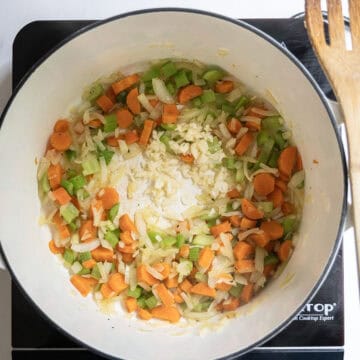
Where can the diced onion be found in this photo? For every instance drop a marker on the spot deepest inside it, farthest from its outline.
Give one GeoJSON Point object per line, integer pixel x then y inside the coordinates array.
{"type": "Point", "coordinates": [161, 91]}
{"type": "Point", "coordinates": [297, 179]}
{"type": "Point", "coordinates": [260, 254]}
{"type": "Point", "coordinates": [242, 236]}
{"type": "Point", "coordinates": [144, 101]}
{"type": "Point", "coordinates": [253, 119]}
{"type": "Point", "coordinates": [154, 273]}
{"type": "Point", "coordinates": [84, 247]}
{"type": "Point", "coordinates": [76, 267]}
{"type": "Point", "coordinates": [263, 112]}
{"type": "Point", "coordinates": [43, 167]}
{"type": "Point", "coordinates": [224, 131]}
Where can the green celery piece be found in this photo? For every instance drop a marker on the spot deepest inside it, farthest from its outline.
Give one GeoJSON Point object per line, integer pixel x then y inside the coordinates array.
{"type": "Point", "coordinates": [203, 240]}
{"type": "Point", "coordinates": [97, 287]}
{"type": "Point", "coordinates": [68, 186]}
{"type": "Point", "coordinates": [84, 271]}
{"type": "Point", "coordinates": [44, 183]}
{"type": "Point", "coordinates": [205, 305]}
{"type": "Point", "coordinates": [111, 238]}
{"type": "Point", "coordinates": [228, 108]}
{"type": "Point", "coordinates": [241, 102]}
{"type": "Point", "coordinates": [265, 152]}
{"type": "Point", "coordinates": [110, 123]}
{"type": "Point", "coordinates": [84, 256]}
{"type": "Point", "coordinates": [168, 241]}
{"type": "Point", "coordinates": [171, 88]}
{"type": "Point", "coordinates": [95, 273]}
{"type": "Point", "coordinates": [78, 182]}
{"type": "Point", "coordinates": [73, 227]}
{"type": "Point", "coordinates": [70, 173]}
{"type": "Point", "coordinates": [153, 72]}
{"type": "Point", "coordinates": [240, 176]}
{"type": "Point", "coordinates": [194, 253]}
{"type": "Point", "coordinates": [168, 69]}
{"type": "Point", "coordinates": [141, 302]}
{"type": "Point", "coordinates": [229, 163]}
{"type": "Point", "coordinates": [211, 222]}
{"type": "Point", "coordinates": [113, 212]}
{"type": "Point", "coordinates": [151, 302]}
{"type": "Point", "coordinates": [69, 256]}
{"type": "Point", "coordinates": [168, 127]}
{"type": "Point", "coordinates": [181, 78]}
{"type": "Point", "coordinates": [94, 92]}
{"type": "Point", "coordinates": [280, 141]}
{"type": "Point", "coordinates": [265, 206]}
{"type": "Point", "coordinates": [271, 259]}
{"type": "Point", "coordinates": [106, 154]}
{"type": "Point", "coordinates": [214, 146]}
{"type": "Point", "coordinates": [70, 154]}
{"type": "Point", "coordinates": [180, 240]}
{"type": "Point", "coordinates": [272, 162]}
{"type": "Point", "coordinates": [209, 215]}
{"type": "Point", "coordinates": [69, 212]}
{"type": "Point", "coordinates": [121, 97]}
{"type": "Point", "coordinates": [153, 236]}
{"type": "Point", "coordinates": [149, 88]}
{"type": "Point", "coordinates": [271, 124]}
{"type": "Point", "coordinates": [220, 99]}
{"type": "Point", "coordinates": [208, 96]}
{"type": "Point", "coordinates": [200, 277]}
{"type": "Point", "coordinates": [90, 165]}
{"type": "Point", "coordinates": [197, 102]}
{"type": "Point", "coordinates": [289, 224]}
{"type": "Point", "coordinates": [165, 138]}
{"type": "Point", "coordinates": [236, 290]}
{"type": "Point", "coordinates": [136, 293]}
{"type": "Point", "coordinates": [138, 122]}
{"type": "Point", "coordinates": [213, 75]}
{"type": "Point", "coordinates": [82, 194]}
{"type": "Point", "coordinates": [263, 137]}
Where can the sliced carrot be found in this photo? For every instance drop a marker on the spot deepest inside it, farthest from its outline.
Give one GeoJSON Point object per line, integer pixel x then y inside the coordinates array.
{"type": "Point", "coordinates": [87, 231]}
{"type": "Point", "coordinates": [222, 285]}
{"type": "Point", "coordinates": [246, 223]}
{"type": "Point", "coordinates": [131, 304]}
{"type": "Point", "coordinates": [110, 94]}
{"type": "Point", "coordinates": [144, 314]}
{"type": "Point", "coordinates": [177, 297]}
{"type": "Point", "coordinates": [61, 196]}
{"type": "Point", "coordinates": [268, 269]}
{"type": "Point", "coordinates": [186, 285]}
{"type": "Point", "coordinates": [276, 197]}
{"type": "Point", "coordinates": [223, 227]}
{"type": "Point", "coordinates": [234, 125]}
{"type": "Point", "coordinates": [98, 207]}
{"type": "Point", "coordinates": [124, 118]}
{"type": "Point", "coordinates": [102, 254]}
{"type": "Point", "coordinates": [132, 101]}
{"type": "Point", "coordinates": [169, 313]}
{"type": "Point", "coordinates": [206, 257]}
{"type": "Point", "coordinates": [287, 208]}
{"type": "Point", "coordinates": [146, 132]}
{"type": "Point", "coordinates": [187, 158]}
{"type": "Point", "coordinates": [126, 224]}
{"type": "Point", "coordinates": [243, 250]}
{"type": "Point", "coordinates": [171, 282]}
{"type": "Point", "coordinates": [96, 123]}
{"type": "Point", "coordinates": [253, 126]}
{"type": "Point", "coordinates": [250, 111]}
{"type": "Point", "coordinates": [203, 289]}
{"type": "Point", "coordinates": [106, 291]}
{"type": "Point", "coordinates": [231, 304]}
{"type": "Point", "coordinates": [244, 266]}
{"type": "Point", "coordinates": [284, 177]}
{"type": "Point", "coordinates": [284, 250]}
{"type": "Point", "coordinates": [60, 140]}
{"type": "Point", "coordinates": [233, 194]}
{"type": "Point", "coordinates": [126, 238]}
{"type": "Point", "coordinates": [270, 246]}
{"type": "Point", "coordinates": [127, 258]}
{"type": "Point", "coordinates": [82, 284]}
{"type": "Point", "coordinates": [281, 185]}
{"type": "Point", "coordinates": [250, 210]}
{"type": "Point", "coordinates": [127, 249]}
{"type": "Point", "coordinates": [109, 197]}
{"type": "Point", "coordinates": [143, 276]}
{"type": "Point", "coordinates": [274, 229]}
{"type": "Point", "coordinates": [247, 293]}
{"type": "Point", "coordinates": [224, 87]}
{"type": "Point", "coordinates": [63, 229]}
{"type": "Point", "coordinates": [105, 103]}
{"type": "Point", "coordinates": [170, 113]}
{"type": "Point", "coordinates": [55, 249]}
{"type": "Point", "coordinates": [117, 282]}
{"type": "Point", "coordinates": [125, 83]}
{"type": "Point", "coordinates": [299, 163]}
{"type": "Point", "coordinates": [54, 175]}
{"type": "Point", "coordinates": [165, 296]}
{"type": "Point", "coordinates": [189, 92]}
{"type": "Point", "coordinates": [184, 251]}
{"type": "Point", "coordinates": [287, 160]}
{"type": "Point", "coordinates": [61, 125]}
{"type": "Point", "coordinates": [153, 102]}
{"type": "Point", "coordinates": [89, 264]}
{"type": "Point", "coordinates": [131, 137]}
{"type": "Point", "coordinates": [244, 143]}
{"type": "Point", "coordinates": [235, 220]}
{"type": "Point", "coordinates": [264, 183]}
{"type": "Point", "coordinates": [260, 239]}
{"type": "Point", "coordinates": [163, 268]}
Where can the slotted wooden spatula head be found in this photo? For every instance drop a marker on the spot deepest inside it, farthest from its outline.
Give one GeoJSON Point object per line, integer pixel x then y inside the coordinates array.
{"type": "Point", "coordinates": [342, 67]}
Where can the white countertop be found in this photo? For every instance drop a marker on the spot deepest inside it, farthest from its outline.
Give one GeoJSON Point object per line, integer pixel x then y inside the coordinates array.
{"type": "Point", "coordinates": [17, 13]}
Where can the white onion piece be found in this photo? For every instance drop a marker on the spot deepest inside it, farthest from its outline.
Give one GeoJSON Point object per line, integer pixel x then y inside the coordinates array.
{"type": "Point", "coordinates": [144, 101]}
{"type": "Point", "coordinates": [242, 236]}
{"type": "Point", "coordinates": [264, 112]}
{"type": "Point", "coordinates": [84, 247]}
{"type": "Point", "coordinates": [161, 91]}
{"type": "Point", "coordinates": [253, 119]}
{"type": "Point", "coordinates": [260, 254]}
{"type": "Point", "coordinates": [297, 179]}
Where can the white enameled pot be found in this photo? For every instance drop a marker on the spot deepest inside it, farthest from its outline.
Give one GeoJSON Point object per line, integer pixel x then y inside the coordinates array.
{"type": "Point", "coordinates": [52, 86]}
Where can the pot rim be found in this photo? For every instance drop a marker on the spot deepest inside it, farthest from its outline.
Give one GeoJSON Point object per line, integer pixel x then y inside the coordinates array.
{"type": "Point", "coordinates": [295, 61]}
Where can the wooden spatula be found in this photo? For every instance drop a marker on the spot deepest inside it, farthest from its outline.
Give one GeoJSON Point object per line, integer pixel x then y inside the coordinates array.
{"type": "Point", "coordinates": [342, 67]}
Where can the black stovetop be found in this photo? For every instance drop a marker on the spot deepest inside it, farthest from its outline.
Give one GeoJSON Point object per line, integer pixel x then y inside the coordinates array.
{"type": "Point", "coordinates": [317, 332]}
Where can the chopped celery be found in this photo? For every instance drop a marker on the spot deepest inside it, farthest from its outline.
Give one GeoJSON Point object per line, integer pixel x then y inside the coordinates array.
{"type": "Point", "coordinates": [197, 102]}
{"type": "Point", "coordinates": [214, 146]}
{"type": "Point", "coordinates": [69, 212]}
{"type": "Point", "coordinates": [106, 154]}
{"type": "Point", "coordinates": [194, 253]}
{"type": "Point", "coordinates": [289, 224]}
{"type": "Point", "coordinates": [84, 271]}
{"type": "Point", "coordinates": [84, 256]}
{"type": "Point", "coordinates": [265, 206]}
{"type": "Point", "coordinates": [111, 238]}
{"type": "Point", "coordinates": [77, 182]}
{"type": "Point", "coordinates": [44, 183]}
{"type": "Point", "coordinates": [229, 163]}
{"type": "Point", "coordinates": [148, 75]}
{"type": "Point", "coordinates": [136, 293]}
{"type": "Point", "coordinates": [274, 158]}
{"type": "Point", "coordinates": [241, 102]}
{"type": "Point", "coordinates": [280, 141]}
{"type": "Point", "coordinates": [95, 272]}
{"type": "Point", "coordinates": [208, 96]}
{"type": "Point", "coordinates": [201, 277]}
{"type": "Point", "coordinates": [113, 212]}
{"type": "Point", "coordinates": [70, 154]}
{"type": "Point", "coordinates": [168, 241]}
{"type": "Point", "coordinates": [168, 127]}
{"type": "Point", "coordinates": [265, 152]}
{"type": "Point", "coordinates": [165, 139]}
{"type": "Point", "coordinates": [116, 232]}
{"type": "Point", "coordinates": [271, 123]}
{"type": "Point", "coordinates": [180, 240]}
{"type": "Point", "coordinates": [240, 176]}
{"type": "Point", "coordinates": [121, 97]}
{"type": "Point", "coordinates": [229, 207]}
{"type": "Point", "coordinates": [263, 137]}
{"type": "Point", "coordinates": [154, 236]}
{"type": "Point", "coordinates": [184, 268]}
{"type": "Point", "coordinates": [151, 302]}
{"type": "Point", "coordinates": [90, 165]}
{"type": "Point", "coordinates": [168, 69]}
{"type": "Point", "coordinates": [149, 88]}
{"type": "Point", "coordinates": [211, 222]}
{"type": "Point", "coordinates": [110, 123]}
{"type": "Point", "coordinates": [68, 186]}
{"type": "Point", "coordinates": [141, 302]}
{"type": "Point", "coordinates": [220, 99]}
{"type": "Point", "coordinates": [213, 75]}
{"type": "Point", "coordinates": [94, 92]}
{"type": "Point", "coordinates": [209, 215]}
{"type": "Point", "coordinates": [82, 194]}
{"type": "Point", "coordinates": [69, 256]}
{"type": "Point", "coordinates": [73, 227]}
{"type": "Point", "coordinates": [228, 108]}
{"type": "Point", "coordinates": [181, 78]}
{"type": "Point", "coordinates": [70, 173]}
{"type": "Point", "coordinates": [171, 88]}
{"type": "Point", "coordinates": [236, 290]}
{"type": "Point", "coordinates": [271, 259]}
{"type": "Point", "coordinates": [203, 240]}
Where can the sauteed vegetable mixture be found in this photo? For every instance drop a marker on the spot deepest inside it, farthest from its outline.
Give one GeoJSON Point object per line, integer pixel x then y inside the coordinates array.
{"type": "Point", "coordinates": [175, 191]}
